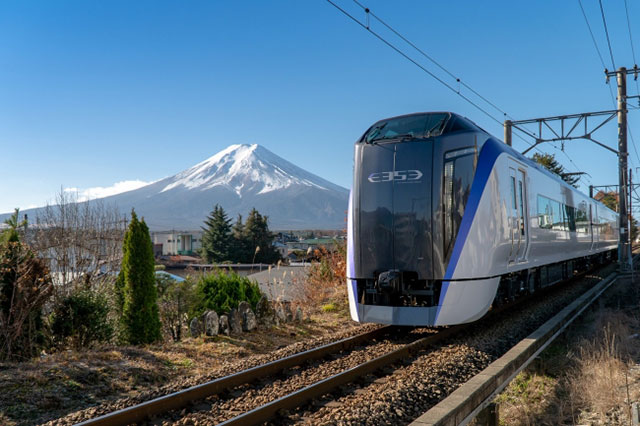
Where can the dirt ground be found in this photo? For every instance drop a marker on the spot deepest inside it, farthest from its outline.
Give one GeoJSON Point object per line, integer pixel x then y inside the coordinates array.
{"type": "Point", "coordinates": [64, 382]}
{"type": "Point", "coordinates": [590, 375]}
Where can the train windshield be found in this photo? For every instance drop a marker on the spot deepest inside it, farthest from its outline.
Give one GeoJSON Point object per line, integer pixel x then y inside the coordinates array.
{"type": "Point", "coordinates": [410, 127]}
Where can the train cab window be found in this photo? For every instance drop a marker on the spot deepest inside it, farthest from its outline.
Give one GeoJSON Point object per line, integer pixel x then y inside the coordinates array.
{"type": "Point", "coordinates": [458, 176]}
{"type": "Point", "coordinates": [408, 127]}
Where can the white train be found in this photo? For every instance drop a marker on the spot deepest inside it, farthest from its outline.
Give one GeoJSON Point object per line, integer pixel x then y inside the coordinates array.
{"type": "Point", "coordinates": [445, 220]}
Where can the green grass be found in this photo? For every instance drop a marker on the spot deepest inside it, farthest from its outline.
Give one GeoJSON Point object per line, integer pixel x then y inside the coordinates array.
{"type": "Point", "coordinates": [329, 307]}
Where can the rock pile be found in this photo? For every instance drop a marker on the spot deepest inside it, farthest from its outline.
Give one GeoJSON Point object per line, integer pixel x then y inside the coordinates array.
{"type": "Point", "coordinates": [243, 319]}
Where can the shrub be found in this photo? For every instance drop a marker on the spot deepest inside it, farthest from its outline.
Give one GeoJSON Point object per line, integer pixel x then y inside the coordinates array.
{"type": "Point", "coordinates": [176, 300]}
{"type": "Point", "coordinates": [25, 287]}
{"type": "Point", "coordinates": [222, 291]}
{"type": "Point", "coordinates": [82, 319]}
{"type": "Point", "coordinates": [326, 280]}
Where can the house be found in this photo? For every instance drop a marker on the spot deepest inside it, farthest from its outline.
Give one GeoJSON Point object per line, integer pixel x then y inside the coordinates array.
{"type": "Point", "coordinates": [313, 243]}
{"type": "Point", "coordinates": [177, 242]}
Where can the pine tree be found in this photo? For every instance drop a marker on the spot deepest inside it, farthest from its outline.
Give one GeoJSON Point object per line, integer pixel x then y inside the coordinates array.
{"type": "Point", "coordinates": [217, 239]}
{"type": "Point", "coordinates": [549, 162]}
{"type": "Point", "coordinates": [259, 239]}
{"type": "Point", "coordinates": [240, 249]}
{"type": "Point", "coordinates": [25, 286]}
{"type": "Point", "coordinates": [140, 319]}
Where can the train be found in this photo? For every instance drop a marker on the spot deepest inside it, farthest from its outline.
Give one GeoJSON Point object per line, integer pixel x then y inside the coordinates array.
{"type": "Point", "coordinates": [445, 220]}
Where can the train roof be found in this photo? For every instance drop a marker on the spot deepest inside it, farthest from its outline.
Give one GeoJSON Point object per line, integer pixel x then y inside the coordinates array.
{"type": "Point", "coordinates": [457, 122]}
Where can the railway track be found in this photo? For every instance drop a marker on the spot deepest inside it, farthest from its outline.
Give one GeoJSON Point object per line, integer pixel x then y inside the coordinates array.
{"type": "Point", "coordinates": [359, 367]}
{"type": "Point", "coordinates": [140, 412]}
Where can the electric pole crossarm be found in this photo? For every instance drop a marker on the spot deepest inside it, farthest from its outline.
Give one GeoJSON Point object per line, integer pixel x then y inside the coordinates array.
{"type": "Point", "coordinates": [563, 134]}
{"type": "Point", "coordinates": [602, 145]}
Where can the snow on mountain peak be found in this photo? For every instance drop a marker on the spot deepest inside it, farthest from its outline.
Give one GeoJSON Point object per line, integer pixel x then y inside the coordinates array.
{"type": "Point", "coordinates": [245, 168]}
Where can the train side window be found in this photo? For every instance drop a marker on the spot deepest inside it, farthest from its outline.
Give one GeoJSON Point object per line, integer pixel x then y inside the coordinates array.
{"type": "Point", "coordinates": [558, 217]}
{"type": "Point", "coordinates": [545, 214]}
{"type": "Point", "coordinates": [458, 177]}
{"type": "Point", "coordinates": [582, 220]}
{"type": "Point", "coordinates": [571, 217]}
{"type": "Point", "coordinates": [513, 193]}
{"type": "Point", "coordinates": [521, 200]}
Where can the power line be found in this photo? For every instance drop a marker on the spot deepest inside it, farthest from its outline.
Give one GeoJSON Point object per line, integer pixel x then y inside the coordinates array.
{"type": "Point", "coordinates": [595, 44]}
{"type": "Point", "coordinates": [413, 61]}
{"type": "Point", "coordinates": [606, 31]}
{"type": "Point", "coordinates": [407, 57]}
{"type": "Point", "coordinates": [423, 53]}
{"type": "Point", "coordinates": [633, 50]}
{"type": "Point", "coordinates": [591, 32]}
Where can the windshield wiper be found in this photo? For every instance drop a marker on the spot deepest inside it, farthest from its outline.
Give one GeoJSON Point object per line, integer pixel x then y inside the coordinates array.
{"type": "Point", "coordinates": [401, 136]}
{"type": "Point", "coordinates": [374, 132]}
{"type": "Point", "coordinates": [435, 128]}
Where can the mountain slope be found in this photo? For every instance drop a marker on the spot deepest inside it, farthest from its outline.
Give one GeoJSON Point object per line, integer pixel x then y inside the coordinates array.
{"type": "Point", "coordinates": [239, 178]}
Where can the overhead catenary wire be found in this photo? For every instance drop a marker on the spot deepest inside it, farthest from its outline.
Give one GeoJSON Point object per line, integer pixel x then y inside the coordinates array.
{"type": "Point", "coordinates": [606, 31]}
{"type": "Point", "coordinates": [423, 53]}
{"type": "Point", "coordinates": [595, 44]}
{"type": "Point", "coordinates": [407, 57]}
{"type": "Point", "coordinates": [416, 63]}
{"type": "Point", "coordinates": [591, 32]}
{"type": "Point", "coordinates": [633, 50]}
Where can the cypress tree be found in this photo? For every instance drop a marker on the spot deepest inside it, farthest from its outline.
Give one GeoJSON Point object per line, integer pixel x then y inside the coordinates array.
{"type": "Point", "coordinates": [140, 319]}
{"type": "Point", "coordinates": [216, 240]}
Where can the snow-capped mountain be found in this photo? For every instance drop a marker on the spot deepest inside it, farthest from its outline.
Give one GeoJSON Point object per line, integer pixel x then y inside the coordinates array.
{"type": "Point", "coordinates": [246, 169]}
{"type": "Point", "coordinates": [239, 178]}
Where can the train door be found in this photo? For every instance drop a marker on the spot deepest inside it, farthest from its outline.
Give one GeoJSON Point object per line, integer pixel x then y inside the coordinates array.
{"type": "Point", "coordinates": [591, 225]}
{"type": "Point", "coordinates": [522, 216]}
{"type": "Point", "coordinates": [517, 214]}
{"type": "Point", "coordinates": [595, 229]}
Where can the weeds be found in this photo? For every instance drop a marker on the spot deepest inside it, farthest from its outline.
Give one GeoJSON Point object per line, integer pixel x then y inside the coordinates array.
{"type": "Point", "coordinates": [326, 281]}
{"type": "Point", "coordinates": [583, 381]}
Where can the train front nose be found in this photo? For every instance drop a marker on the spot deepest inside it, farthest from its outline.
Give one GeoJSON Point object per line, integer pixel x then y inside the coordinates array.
{"type": "Point", "coordinates": [393, 221]}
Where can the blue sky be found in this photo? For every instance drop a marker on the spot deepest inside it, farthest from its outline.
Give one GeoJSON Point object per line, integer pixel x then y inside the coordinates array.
{"type": "Point", "coordinates": [95, 93]}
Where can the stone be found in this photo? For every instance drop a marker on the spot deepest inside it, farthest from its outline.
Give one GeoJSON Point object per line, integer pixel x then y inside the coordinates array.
{"type": "Point", "coordinates": [298, 316]}
{"type": "Point", "coordinates": [224, 325]}
{"type": "Point", "coordinates": [235, 321]}
{"type": "Point", "coordinates": [195, 327]}
{"type": "Point", "coordinates": [264, 312]}
{"type": "Point", "coordinates": [249, 321]}
{"type": "Point", "coordinates": [211, 323]}
{"type": "Point", "coordinates": [280, 315]}
{"type": "Point", "coordinates": [263, 308]}
{"type": "Point", "coordinates": [288, 313]}
{"type": "Point", "coordinates": [243, 307]}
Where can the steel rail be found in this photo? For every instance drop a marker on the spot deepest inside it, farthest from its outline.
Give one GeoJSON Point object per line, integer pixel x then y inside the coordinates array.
{"type": "Point", "coordinates": [293, 400]}
{"type": "Point", "coordinates": [176, 400]}
{"type": "Point", "coordinates": [466, 402]}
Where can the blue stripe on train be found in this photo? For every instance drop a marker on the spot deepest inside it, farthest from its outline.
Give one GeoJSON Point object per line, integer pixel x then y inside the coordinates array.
{"type": "Point", "coordinates": [486, 160]}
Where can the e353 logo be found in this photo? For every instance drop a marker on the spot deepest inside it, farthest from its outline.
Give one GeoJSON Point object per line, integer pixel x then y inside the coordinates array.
{"type": "Point", "coordinates": [397, 176]}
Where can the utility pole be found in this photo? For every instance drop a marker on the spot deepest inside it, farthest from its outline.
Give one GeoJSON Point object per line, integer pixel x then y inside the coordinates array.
{"type": "Point", "coordinates": [622, 159]}
{"type": "Point", "coordinates": [507, 132]}
{"type": "Point", "coordinates": [623, 246]}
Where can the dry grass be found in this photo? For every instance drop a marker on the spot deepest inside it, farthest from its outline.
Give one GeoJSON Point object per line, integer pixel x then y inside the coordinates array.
{"type": "Point", "coordinates": [63, 382]}
{"type": "Point", "coordinates": [326, 281]}
{"type": "Point", "coordinates": [586, 378]}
